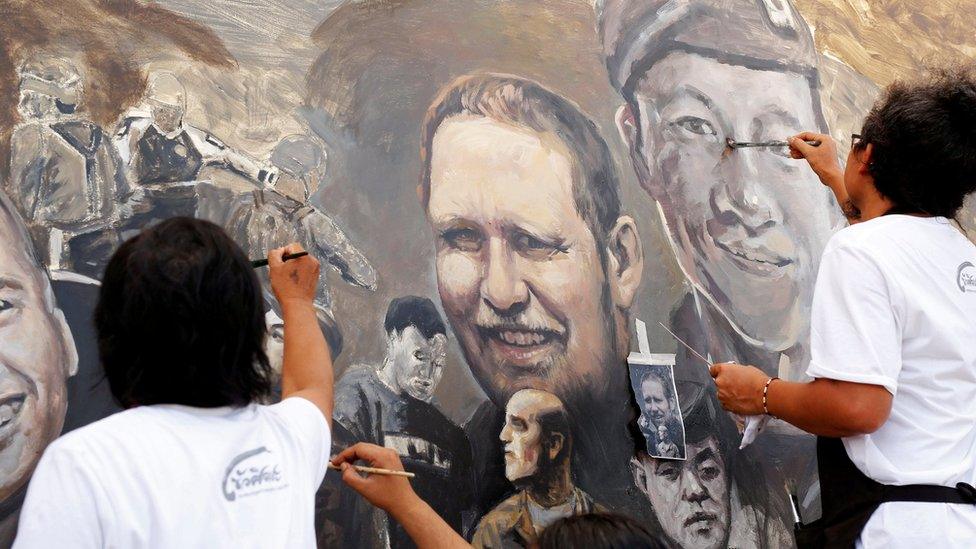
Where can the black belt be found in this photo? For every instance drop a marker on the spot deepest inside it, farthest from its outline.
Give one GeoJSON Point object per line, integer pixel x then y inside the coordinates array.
{"type": "Point", "coordinates": [927, 493]}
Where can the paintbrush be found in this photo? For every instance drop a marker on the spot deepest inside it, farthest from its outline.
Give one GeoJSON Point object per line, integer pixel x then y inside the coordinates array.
{"type": "Point", "coordinates": [375, 471]}
{"type": "Point", "coordinates": [733, 144]}
{"type": "Point", "coordinates": [681, 341]}
{"type": "Point", "coordinates": [262, 262]}
{"type": "Point", "coordinates": [753, 424]}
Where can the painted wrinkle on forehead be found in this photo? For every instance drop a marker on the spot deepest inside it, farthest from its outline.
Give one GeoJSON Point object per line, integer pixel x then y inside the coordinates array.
{"type": "Point", "coordinates": [489, 173]}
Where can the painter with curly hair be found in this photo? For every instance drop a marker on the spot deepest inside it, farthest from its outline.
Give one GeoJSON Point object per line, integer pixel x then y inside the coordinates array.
{"type": "Point", "coordinates": [893, 341]}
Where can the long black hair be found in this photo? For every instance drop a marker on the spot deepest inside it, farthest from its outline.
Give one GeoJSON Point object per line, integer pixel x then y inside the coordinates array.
{"type": "Point", "coordinates": [180, 319]}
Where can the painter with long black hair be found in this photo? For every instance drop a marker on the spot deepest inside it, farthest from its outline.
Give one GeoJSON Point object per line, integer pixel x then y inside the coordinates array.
{"type": "Point", "coordinates": [893, 339]}
{"type": "Point", "coordinates": [195, 459]}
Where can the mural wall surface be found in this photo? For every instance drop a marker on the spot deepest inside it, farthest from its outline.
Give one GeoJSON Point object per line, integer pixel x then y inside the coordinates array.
{"type": "Point", "coordinates": [501, 189]}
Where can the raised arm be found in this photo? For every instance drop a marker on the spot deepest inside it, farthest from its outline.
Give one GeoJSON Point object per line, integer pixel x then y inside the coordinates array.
{"type": "Point", "coordinates": [307, 368]}
{"type": "Point", "coordinates": [824, 162]}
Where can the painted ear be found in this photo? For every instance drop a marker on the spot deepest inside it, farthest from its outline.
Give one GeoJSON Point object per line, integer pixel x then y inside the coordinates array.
{"type": "Point", "coordinates": [626, 261]}
{"type": "Point", "coordinates": [556, 442]}
{"type": "Point", "coordinates": [639, 474]}
{"type": "Point", "coordinates": [68, 343]}
{"type": "Point", "coordinates": [629, 129]}
{"type": "Point", "coordinates": [626, 125]}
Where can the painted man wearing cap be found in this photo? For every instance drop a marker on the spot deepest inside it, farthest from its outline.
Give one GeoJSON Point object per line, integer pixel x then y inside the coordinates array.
{"type": "Point", "coordinates": [747, 226]}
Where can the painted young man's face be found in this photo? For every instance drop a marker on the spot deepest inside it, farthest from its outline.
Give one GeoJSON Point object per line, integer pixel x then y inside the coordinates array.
{"type": "Point", "coordinates": [418, 362]}
{"type": "Point", "coordinates": [37, 354]}
{"type": "Point", "coordinates": [518, 270]}
{"type": "Point", "coordinates": [748, 225]}
{"type": "Point", "coordinates": [691, 497]}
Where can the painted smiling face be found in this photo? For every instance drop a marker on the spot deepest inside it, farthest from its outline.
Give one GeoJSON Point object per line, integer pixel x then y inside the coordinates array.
{"type": "Point", "coordinates": [748, 225]}
{"type": "Point", "coordinates": [690, 497]}
{"type": "Point", "coordinates": [37, 354]}
{"type": "Point", "coordinates": [518, 270]}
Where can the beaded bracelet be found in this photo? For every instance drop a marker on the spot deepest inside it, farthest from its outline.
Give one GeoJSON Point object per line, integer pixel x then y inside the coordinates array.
{"type": "Point", "coordinates": [766, 393]}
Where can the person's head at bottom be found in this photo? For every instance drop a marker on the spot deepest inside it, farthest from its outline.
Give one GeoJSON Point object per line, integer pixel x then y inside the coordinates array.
{"type": "Point", "coordinates": [180, 320]}
{"type": "Point", "coordinates": [599, 531]}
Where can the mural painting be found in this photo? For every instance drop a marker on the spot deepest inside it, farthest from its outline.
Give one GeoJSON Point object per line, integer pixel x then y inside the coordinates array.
{"type": "Point", "coordinates": [500, 188]}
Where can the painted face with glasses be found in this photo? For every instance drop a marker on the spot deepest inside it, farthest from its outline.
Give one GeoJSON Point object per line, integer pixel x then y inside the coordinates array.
{"type": "Point", "coordinates": [747, 225]}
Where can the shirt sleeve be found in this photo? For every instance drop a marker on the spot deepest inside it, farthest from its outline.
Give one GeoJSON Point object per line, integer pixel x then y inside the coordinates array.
{"type": "Point", "coordinates": [855, 334]}
{"type": "Point", "coordinates": [310, 429]}
{"type": "Point", "coordinates": [61, 507]}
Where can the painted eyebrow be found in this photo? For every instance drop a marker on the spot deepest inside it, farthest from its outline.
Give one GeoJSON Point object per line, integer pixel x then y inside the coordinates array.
{"type": "Point", "coordinates": [10, 282]}
{"type": "Point", "coordinates": [704, 455]}
{"type": "Point", "coordinates": [545, 236]}
{"type": "Point", "coordinates": [686, 90]}
{"type": "Point", "coordinates": [780, 112]}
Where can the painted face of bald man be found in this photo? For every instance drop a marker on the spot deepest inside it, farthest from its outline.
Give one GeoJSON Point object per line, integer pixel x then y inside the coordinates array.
{"type": "Point", "coordinates": [37, 354]}
{"type": "Point", "coordinates": [528, 447]}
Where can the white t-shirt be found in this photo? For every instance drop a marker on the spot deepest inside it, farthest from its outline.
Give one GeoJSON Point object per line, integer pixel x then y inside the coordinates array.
{"type": "Point", "coordinates": [895, 305]}
{"type": "Point", "coordinates": [176, 476]}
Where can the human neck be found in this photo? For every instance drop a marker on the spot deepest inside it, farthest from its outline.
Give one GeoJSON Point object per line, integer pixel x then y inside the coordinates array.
{"type": "Point", "coordinates": [549, 491]}
{"type": "Point", "coordinates": [387, 376]}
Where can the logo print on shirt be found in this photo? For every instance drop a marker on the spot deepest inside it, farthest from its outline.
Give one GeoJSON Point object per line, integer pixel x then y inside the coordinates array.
{"type": "Point", "coordinates": [966, 278]}
{"type": "Point", "coordinates": [251, 473]}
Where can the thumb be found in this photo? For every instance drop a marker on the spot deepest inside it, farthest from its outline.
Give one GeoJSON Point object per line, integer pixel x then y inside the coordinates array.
{"type": "Point", "coordinates": [715, 370]}
{"type": "Point", "coordinates": [800, 146]}
{"type": "Point", "coordinates": [351, 477]}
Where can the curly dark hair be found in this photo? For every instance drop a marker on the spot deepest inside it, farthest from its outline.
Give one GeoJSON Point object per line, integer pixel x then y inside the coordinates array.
{"type": "Point", "coordinates": [924, 139]}
{"type": "Point", "coordinates": [180, 319]}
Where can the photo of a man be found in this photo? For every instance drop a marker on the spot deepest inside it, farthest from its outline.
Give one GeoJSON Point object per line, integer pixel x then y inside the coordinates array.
{"type": "Point", "coordinates": [660, 414]}
{"type": "Point", "coordinates": [537, 265]}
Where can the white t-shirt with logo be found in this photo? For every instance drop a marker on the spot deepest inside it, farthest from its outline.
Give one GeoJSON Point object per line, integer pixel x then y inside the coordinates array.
{"type": "Point", "coordinates": [176, 476]}
{"type": "Point", "coordinates": [895, 305]}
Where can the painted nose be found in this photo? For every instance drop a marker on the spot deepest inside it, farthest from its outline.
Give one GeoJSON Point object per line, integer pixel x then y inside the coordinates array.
{"type": "Point", "coordinates": [502, 287]}
{"type": "Point", "coordinates": [692, 489]}
{"type": "Point", "coordinates": [747, 196]}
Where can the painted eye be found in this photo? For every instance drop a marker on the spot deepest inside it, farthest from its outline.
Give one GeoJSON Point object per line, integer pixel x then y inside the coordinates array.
{"type": "Point", "coordinates": [709, 472]}
{"type": "Point", "coordinates": [696, 125]}
{"type": "Point", "coordinates": [5, 305]}
{"type": "Point", "coordinates": [534, 248]}
{"type": "Point", "coordinates": [464, 239]}
{"type": "Point", "coordinates": [419, 355]}
{"type": "Point", "coordinates": [669, 472]}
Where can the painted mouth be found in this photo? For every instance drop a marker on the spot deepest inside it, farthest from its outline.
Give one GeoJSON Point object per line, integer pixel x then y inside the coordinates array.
{"type": "Point", "coordinates": [705, 520]}
{"type": "Point", "coordinates": [10, 407]}
{"type": "Point", "coordinates": [759, 259]}
{"type": "Point", "coordinates": [522, 345]}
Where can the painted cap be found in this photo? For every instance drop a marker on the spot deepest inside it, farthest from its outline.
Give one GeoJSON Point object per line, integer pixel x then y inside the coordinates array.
{"type": "Point", "coordinates": [761, 34]}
